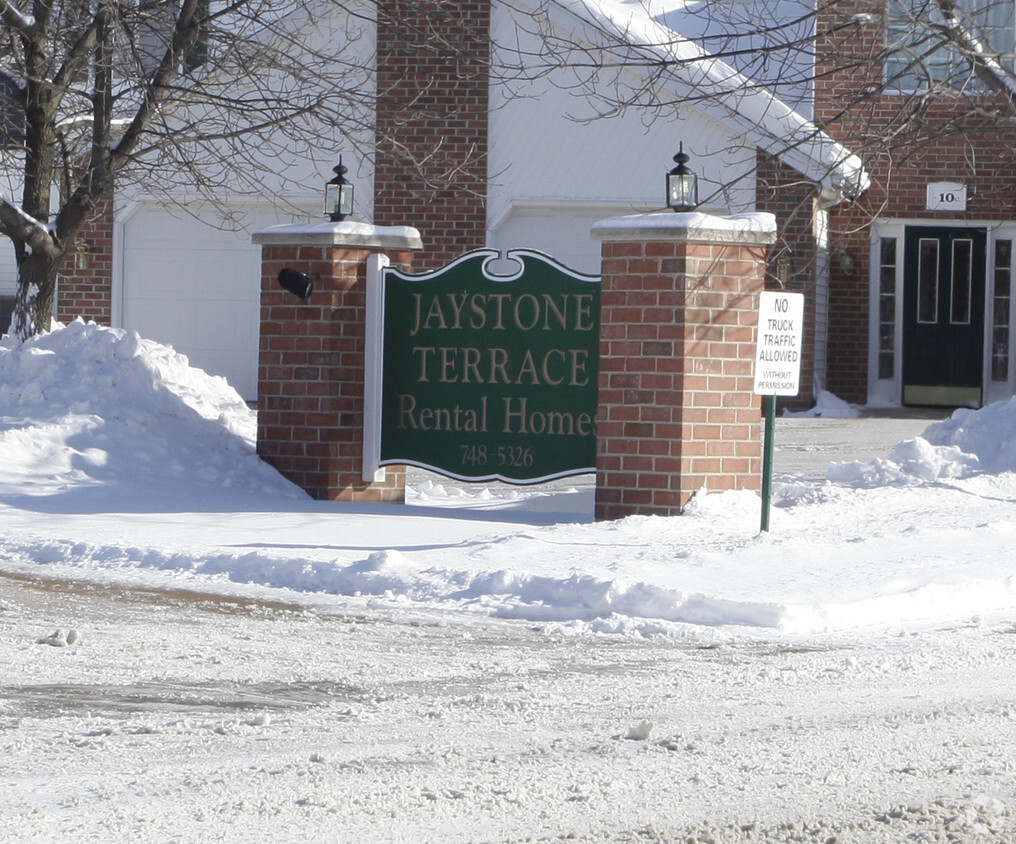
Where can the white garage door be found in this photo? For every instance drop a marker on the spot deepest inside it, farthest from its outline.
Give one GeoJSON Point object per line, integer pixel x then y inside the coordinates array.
{"type": "Point", "coordinates": [196, 289]}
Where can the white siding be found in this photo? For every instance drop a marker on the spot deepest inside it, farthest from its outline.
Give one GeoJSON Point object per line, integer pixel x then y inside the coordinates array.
{"type": "Point", "coordinates": [546, 151]}
{"type": "Point", "coordinates": [195, 288]}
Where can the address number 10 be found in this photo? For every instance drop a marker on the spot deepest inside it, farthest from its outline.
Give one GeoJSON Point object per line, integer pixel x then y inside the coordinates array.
{"type": "Point", "coordinates": [947, 196]}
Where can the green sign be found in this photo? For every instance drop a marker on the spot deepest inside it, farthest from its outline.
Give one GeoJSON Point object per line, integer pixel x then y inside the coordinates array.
{"type": "Point", "coordinates": [488, 376]}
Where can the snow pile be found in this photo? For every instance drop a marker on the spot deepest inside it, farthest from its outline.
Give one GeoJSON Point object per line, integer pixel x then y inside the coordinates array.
{"type": "Point", "coordinates": [119, 462]}
{"type": "Point", "coordinates": [828, 406]}
{"type": "Point", "coordinates": [91, 407]}
{"type": "Point", "coordinates": [970, 442]}
{"type": "Point", "coordinates": [988, 434]}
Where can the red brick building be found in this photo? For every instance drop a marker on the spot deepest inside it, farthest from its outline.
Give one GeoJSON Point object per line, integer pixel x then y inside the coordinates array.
{"type": "Point", "coordinates": [920, 306]}
{"type": "Point", "coordinates": [472, 158]}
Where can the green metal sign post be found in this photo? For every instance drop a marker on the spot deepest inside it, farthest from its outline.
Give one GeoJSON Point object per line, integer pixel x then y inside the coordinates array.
{"type": "Point", "coordinates": [769, 405]}
{"type": "Point", "coordinates": [488, 376]}
{"type": "Point", "coordinates": [777, 370]}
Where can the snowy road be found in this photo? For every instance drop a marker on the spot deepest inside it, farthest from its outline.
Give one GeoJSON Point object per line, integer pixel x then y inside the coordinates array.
{"type": "Point", "coordinates": [193, 651]}
{"type": "Point", "coordinates": [182, 717]}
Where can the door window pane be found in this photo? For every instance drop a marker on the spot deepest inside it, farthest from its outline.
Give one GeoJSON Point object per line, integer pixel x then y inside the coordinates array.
{"type": "Point", "coordinates": [962, 253]}
{"type": "Point", "coordinates": [1000, 311]}
{"type": "Point", "coordinates": [927, 280]}
{"type": "Point", "coordinates": [887, 308]}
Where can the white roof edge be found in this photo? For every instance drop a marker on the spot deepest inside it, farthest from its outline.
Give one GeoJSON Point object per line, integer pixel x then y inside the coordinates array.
{"type": "Point", "coordinates": [714, 86]}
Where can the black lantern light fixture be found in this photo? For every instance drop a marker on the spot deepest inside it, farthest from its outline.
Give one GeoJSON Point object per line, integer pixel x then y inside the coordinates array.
{"type": "Point", "coordinates": [682, 184]}
{"type": "Point", "coordinates": [338, 195]}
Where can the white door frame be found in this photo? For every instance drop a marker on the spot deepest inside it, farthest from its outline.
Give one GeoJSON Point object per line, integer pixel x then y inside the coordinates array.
{"type": "Point", "coordinates": [888, 392]}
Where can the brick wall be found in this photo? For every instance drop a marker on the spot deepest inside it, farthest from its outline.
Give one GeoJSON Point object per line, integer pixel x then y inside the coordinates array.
{"type": "Point", "coordinates": [677, 411]}
{"type": "Point", "coordinates": [311, 373]}
{"type": "Point", "coordinates": [431, 156]}
{"type": "Point", "coordinates": [87, 291]}
{"type": "Point", "coordinates": [791, 262]}
{"type": "Point", "coordinates": [906, 143]}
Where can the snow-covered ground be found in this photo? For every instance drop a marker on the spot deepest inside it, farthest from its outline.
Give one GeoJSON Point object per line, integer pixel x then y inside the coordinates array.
{"type": "Point", "coordinates": [192, 650]}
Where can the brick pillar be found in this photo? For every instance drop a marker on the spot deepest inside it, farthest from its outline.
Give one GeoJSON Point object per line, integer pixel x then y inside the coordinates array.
{"type": "Point", "coordinates": [679, 309]}
{"type": "Point", "coordinates": [311, 361]}
{"type": "Point", "coordinates": [85, 284]}
{"type": "Point", "coordinates": [432, 115]}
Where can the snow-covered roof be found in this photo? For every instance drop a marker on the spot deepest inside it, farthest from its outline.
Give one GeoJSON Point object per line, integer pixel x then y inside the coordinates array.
{"type": "Point", "coordinates": [716, 88]}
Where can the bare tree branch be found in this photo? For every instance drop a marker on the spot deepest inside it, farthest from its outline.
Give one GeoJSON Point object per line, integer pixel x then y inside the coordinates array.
{"type": "Point", "coordinates": [985, 65]}
{"type": "Point", "coordinates": [14, 18]}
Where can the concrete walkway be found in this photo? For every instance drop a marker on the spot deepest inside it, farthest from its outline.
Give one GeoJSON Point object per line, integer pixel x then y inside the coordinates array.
{"type": "Point", "coordinates": [806, 446]}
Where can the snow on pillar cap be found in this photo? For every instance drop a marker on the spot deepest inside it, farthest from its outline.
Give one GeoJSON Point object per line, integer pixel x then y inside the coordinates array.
{"type": "Point", "coordinates": [345, 233]}
{"type": "Point", "coordinates": [756, 228]}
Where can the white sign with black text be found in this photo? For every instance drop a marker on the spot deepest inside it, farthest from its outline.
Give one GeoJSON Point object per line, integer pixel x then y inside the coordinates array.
{"type": "Point", "coordinates": [778, 350]}
{"type": "Point", "coordinates": [946, 196]}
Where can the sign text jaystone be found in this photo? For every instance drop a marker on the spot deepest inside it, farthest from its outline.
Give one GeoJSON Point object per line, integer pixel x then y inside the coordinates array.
{"type": "Point", "coordinates": [489, 376]}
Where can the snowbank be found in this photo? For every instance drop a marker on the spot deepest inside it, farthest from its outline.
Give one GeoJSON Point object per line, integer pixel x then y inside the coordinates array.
{"type": "Point", "coordinates": [121, 462]}
{"type": "Point", "coordinates": [86, 407]}
{"type": "Point", "coordinates": [970, 442]}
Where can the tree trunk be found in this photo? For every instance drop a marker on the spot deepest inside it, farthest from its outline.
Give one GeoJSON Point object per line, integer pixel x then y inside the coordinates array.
{"type": "Point", "coordinates": [33, 305]}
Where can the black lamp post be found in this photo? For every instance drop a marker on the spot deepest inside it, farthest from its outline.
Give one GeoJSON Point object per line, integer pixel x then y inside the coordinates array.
{"type": "Point", "coordinates": [338, 195]}
{"type": "Point", "coordinates": [682, 185]}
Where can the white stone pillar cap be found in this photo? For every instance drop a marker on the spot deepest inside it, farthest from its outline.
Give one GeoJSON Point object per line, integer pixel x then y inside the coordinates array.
{"type": "Point", "coordinates": [756, 228]}
{"type": "Point", "coordinates": [346, 233]}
